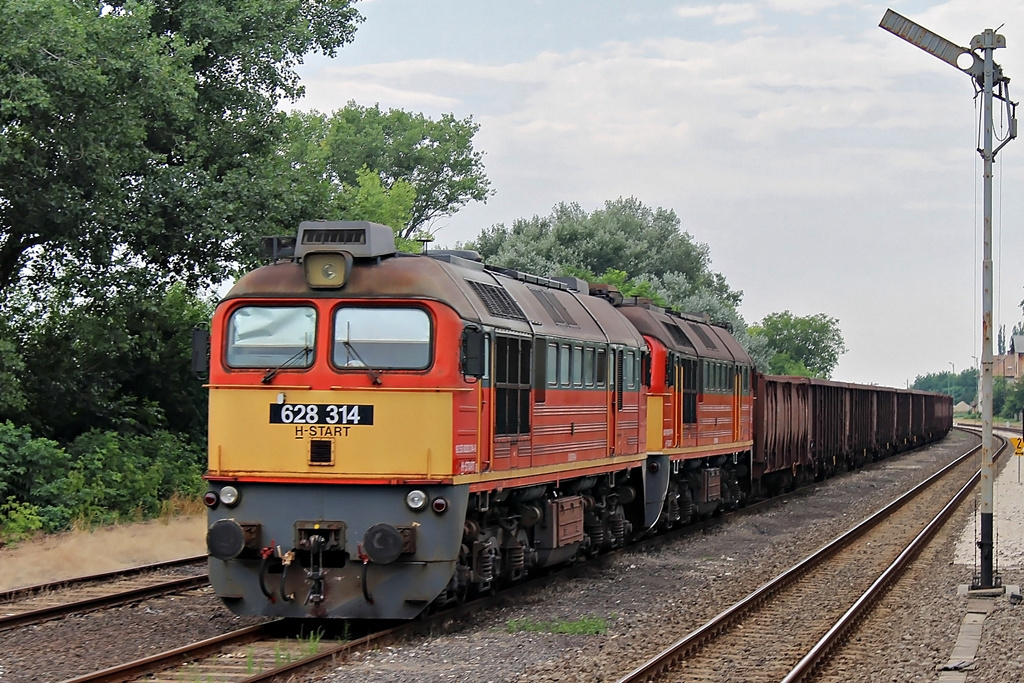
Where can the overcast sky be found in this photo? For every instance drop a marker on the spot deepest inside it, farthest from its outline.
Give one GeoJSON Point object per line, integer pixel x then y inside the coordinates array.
{"type": "Point", "coordinates": [830, 166]}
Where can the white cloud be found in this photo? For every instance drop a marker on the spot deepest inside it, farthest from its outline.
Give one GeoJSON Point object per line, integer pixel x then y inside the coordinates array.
{"type": "Point", "coordinates": [735, 13]}
{"type": "Point", "coordinates": [343, 89]}
{"type": "Point", "coordinates": [807, 7]}
{"type": "Point", "coordinates": [688, 12]}
{"type": "Point", "coordinates": [723, 14]}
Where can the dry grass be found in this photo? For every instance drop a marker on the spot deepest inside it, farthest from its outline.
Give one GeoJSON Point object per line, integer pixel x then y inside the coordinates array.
{"type": "Point", "coordinates": [88, 551]}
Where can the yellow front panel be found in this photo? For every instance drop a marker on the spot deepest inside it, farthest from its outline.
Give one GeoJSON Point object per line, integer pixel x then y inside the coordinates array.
{"type": "Point", "coordinates": [411, 434]}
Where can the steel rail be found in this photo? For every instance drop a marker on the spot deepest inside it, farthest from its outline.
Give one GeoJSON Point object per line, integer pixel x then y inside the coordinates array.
{"type": "Point", "coordinates": [845, 624]}
{"type": "Point", "coordinates": [24, 591]}
{"type": "Point", "coordinates": [186, 654]}
{"type": "Point", "coordinates": [9, 621]}
{"type": "Point", "coordinates": [139, 667]}
{"type": "Point", "coordinates": [724, 620]}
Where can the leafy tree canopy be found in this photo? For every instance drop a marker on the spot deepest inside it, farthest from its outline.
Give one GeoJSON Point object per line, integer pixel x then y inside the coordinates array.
{"type": "Point", "coordinates": [963, 386]}
{"type": "Point", "coordinates": [640, 250]}
{"type": "Point", "coordinates": [132, 131]}
{"type": "Point", "coordinates": [625, 235]}
{"type": "Point", "coordinates": [811, 343]}
{"type": "Point", "coordinates": [435, 158]}
{"type": "Point", "coordinates": [371, 201]}
{"type": "Point", "coordinates": [116, 359]}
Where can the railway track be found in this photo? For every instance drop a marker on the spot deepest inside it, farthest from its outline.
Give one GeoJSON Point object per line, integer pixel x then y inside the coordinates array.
{"type": "Point", "coordinates": [269, 651]}
{"type": "Point", "coordinates": [788, 626]}
{"type": "Point", "coordinates": [34, 604]}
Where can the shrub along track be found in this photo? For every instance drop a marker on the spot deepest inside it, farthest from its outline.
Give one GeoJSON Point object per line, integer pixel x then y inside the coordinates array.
{"type": "Point", "coordinates": [34, 604]}
{"type": "Point", "coordinates": [766, 635]}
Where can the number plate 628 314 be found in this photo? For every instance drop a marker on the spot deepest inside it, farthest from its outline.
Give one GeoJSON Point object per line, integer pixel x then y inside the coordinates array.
{"type": "Point", "coordinates": [320, 414]}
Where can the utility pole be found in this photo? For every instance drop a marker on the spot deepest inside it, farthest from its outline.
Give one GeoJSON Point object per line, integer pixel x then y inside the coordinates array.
{"type": "Point", "coordinates": [987, 76]}
{"type": "Point", "coordinates": [978, 390]}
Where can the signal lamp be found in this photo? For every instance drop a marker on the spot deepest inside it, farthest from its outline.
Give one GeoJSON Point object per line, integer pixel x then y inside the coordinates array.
{"type": "Point", "coordinates": [439, 505]}
{"type": "Point", "coordinates": [229, 496]}
{"type": "Point", "coordinates": [327, 269]}
{"type": "Point", "coordinates": [416, 500]}
{"type": "Point", "coordinates": [210, 499]}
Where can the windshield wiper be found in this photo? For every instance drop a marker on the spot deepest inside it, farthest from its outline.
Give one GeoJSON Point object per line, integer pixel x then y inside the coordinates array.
{"type": "Point", "coordinates": [303, 352]}
{"type": "Point", "coordinates": [351, 349]}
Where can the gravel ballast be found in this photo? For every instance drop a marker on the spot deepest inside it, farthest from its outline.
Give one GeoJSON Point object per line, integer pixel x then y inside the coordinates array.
{"type": "Point", "coordinates": [648, 600]}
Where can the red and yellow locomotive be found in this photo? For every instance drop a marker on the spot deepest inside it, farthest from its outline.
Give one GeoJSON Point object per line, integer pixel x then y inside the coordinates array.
{"type": "Point", "coordinates": [391, 430]}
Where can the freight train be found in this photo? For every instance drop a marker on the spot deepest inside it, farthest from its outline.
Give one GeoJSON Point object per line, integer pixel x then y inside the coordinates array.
{"type": "Point", "coordinates": [390, 432]}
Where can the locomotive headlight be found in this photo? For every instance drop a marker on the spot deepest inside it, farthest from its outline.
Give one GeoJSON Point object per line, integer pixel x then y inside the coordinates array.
{"type": "Point", "coordinates": [327, 269]}
{"type": "Point", "coordinates": [416, 500]}
{"type": "Point", "coordinates": [229, 496]}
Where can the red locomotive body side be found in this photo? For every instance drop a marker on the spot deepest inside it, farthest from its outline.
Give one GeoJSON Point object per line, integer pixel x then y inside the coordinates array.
{"type": "Point", "coordinates": [700, 380]}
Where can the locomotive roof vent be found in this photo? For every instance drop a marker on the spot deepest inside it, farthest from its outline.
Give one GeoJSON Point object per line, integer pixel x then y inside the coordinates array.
{"type": "Point", "coordinates": [362, 239]}
{"type": "Point", "coordinates": [574, 284]}
{"type": "Point", "coordinates": [604, 291]}
{"type": "Point", "coordinates": [642, 302]}
{"type": "Point", "coordinates": [463, 258]}
{"type": "Point", "coordinates": [527, 277]}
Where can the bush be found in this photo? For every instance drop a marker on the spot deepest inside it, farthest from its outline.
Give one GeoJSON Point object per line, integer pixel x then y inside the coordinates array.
{"type": "Point", "coordinates": [116, 477]}
{"type": "Point", "coordinates": [101, 477]}
{"type": "Point", "coordinates": [18, 521]}
{"type": "Point", "coordinates": [28, 465]}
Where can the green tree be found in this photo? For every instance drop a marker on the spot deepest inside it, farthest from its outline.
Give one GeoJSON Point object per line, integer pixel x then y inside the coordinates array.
{"type": "Point", "coordinates": [624, 235]}
{"type": "Point", "coordinates": [813, 343]}
{"type": "Point", "coordinates": [1013, 401]}
{"type": "Point", "coordinates": [1000, 390]}
{"type": "Point", "coordinates": [12, 370]}
{"type": "Point", "coordinates": [963, 386]}
{"type": "Point", "coordinates": [435, 158]}
{"type": "Point", "coordinates": [369, 200]}
{"type": "Point", "coordinates": [134, 131]}
{"type": "Point", "coordinates": [117, 359]}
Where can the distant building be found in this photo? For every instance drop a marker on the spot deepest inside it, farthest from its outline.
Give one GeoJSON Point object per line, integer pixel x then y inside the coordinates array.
{"type": "Point", "coordinates": [1010, 365]}
{"type": "Point", "coordinates": [962, 407]}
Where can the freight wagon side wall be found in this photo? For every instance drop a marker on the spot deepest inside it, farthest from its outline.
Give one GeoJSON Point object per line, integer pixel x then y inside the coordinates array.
{"type": "Point", "coordinates": [783, 424]}
{"type": "Point", "coordinates": [903, 418]}
{"type": "Point", "coordinates": [862, 420]}
{"type": "Point", "coordinates": [831, 423]}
